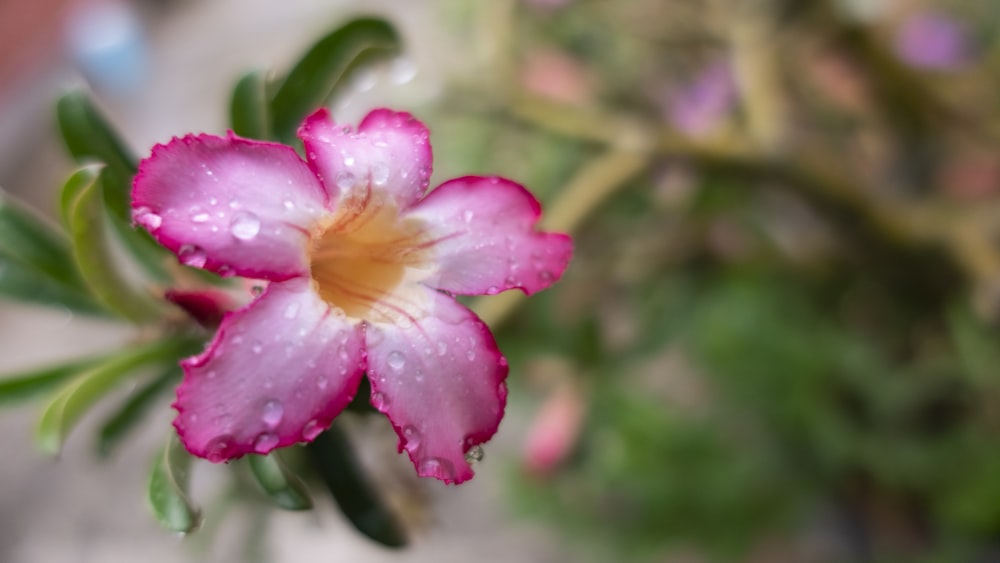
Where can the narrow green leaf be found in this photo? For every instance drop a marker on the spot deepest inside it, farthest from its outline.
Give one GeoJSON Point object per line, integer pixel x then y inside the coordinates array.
{"type": "Point", "coordinates": [87, 222]}
{"type": "Point", "coordinates": [324, 68]}
{"type": "Point", "coordinates": [148, 254]}
{"type": "Point", "coordinates": [88, 135]}
{"type": "Point", "coordinates": [20, 283]}
{"type": "Point", "coordinates": [31, 240]}
{"type": "Point", "coordinates": [168, 493]}
{"type": "Point", "coordinates": [117, 426]}
{"type": "Point", "coordinates": [282, 486]}
{"type": "Point", "coordinates": [75, 399]}
{"type": "Point", "coordinates": [249, 113]}
{"type": "Point", "coordinates": [334, 460]}
{"type": "Point", "coordinates": [27, 384]}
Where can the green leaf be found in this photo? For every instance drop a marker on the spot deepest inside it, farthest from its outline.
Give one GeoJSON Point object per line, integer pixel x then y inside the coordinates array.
{"type": "Point", "coordinates": [168, 493]}
{"type": "Point", "coordinates": [84, 215]}
{"type": "Point", "coordinates": [249, 112]}
{"type": "Point", "coordinates": [335, 462]}
{"type": "Point", "coordinates": [27, 384]}
{"type": "Point", "coordinates": [24, 284]}
{"type": "Point", "coordinates": [88, 135]}
{"type": "Point", "coordinates": [29, 239]}
{"type": "Point", "coordinates": [324, 68]}
{"type": "Point", "coordinates": [75, 399]}
{"type": "Point", "coordinates": [117, 426]}
{"type": "Point", "coordinates": [282, 486]}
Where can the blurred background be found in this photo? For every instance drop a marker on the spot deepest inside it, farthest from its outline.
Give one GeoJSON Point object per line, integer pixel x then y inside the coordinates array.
{"type": "Point", "coordinates": [778, 340]}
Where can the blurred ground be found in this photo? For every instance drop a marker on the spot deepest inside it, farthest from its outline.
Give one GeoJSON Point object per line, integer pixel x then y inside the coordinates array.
{"type": "Point", "coordinates": [82, 510]}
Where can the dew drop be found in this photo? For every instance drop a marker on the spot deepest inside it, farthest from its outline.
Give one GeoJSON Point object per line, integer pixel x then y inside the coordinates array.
{"type": "Point", "coordinates": [272, 413]}
{"type": "Point", "coordinates": [470, 354]}
{"type": "Point", "coordinates": [437, 467]}
{"type": "Point", "coordinates": [245, 226]}
{"type": "Point", "coordinates": [220, 448]}
{"type": "Point", "coordinates": [292, 310]}
{"type": "Point", "coordinates": [420, 376]}
{"type": "Point", "coordinates": [412, 437]}
{"type": "Point", "coordinates": [345, 180]}
{"type": "Point", "coordinates": [192, 255]}
{"type": "Point", "coordinates": [312, 429]}
{"type": "Point", "coordinates": [348, 160]}
{"type": "Point", "coordinates": [210, 375]}
{"type": "Point", "coordinates": [200, 218]}
{"type": "Point", "coordinates": [546, 276]}
{"type": "Point", "coordinates": [145, 217]}
{"type": "Point", "coordinates": [442, 348]}
{"type": "Point", "coordinates": [213, 201]}
{"type": "Point", "coordinates": [380, 173]}
{"type": "Point", "coordinates": [474, 455]}
{"type": "Point", "coordinates": [467, 215]}
{"type": "Point", "coordinates": [288, 205]}
{"type": "Point", "coordinates": [257, 290]}
{"type": "Point", "coordinates": [265, 442]}
{"type": "Point", "coordinates": [322, 383]}
{"type": "Point", "coordinates": [396, 360]}
{"type": "Point", "coordinates": [379, 400]}
{"type": "Point", "coordinates": [492, 290]}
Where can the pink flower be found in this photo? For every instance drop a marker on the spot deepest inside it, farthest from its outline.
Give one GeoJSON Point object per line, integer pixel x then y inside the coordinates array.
{"type": "Point", "coordinates": [362, 265]}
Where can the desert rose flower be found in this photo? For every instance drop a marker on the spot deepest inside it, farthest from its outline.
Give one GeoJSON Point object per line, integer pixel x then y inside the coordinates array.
{"type": "Point", "coordinates": [362, 264]}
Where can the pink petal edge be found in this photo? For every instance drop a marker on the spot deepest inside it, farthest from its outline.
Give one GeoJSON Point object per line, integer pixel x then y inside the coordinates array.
{"type": "Point", "coordinates": [485, 238]}
{"type": "Point", "coordinates": [231, 205]}
{"type": "Point", "coordinates": [388, 158]}
{"type": "Point", "coordinates": [441, 383]}
{"type": "Point", "coordinates": [276, 373]}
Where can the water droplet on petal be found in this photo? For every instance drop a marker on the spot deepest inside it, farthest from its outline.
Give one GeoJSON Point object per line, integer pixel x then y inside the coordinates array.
{"type": "Point", "coordinates": [292, 310]}
{"type": "Point", "coordinates": [245, 226]}
{"type": "Point", "coordinates": [437, 467]}
{"type": "Point", "coordinates": [256, 290]}
{"type": "Point", "coordinates": [265, 443]}
{"type": "Point", "coordinates": [145, 217]}
{"type": "Point", "coordinates": [192, 255]}
{"type": "Point", "coordinates": [396, 360]}
{"type": "Point", "coordinates": [200, 218]}
{"type": "Point", "coordinates": [492, 290]}
{"type": "Point", "coordinates": [412, 437]}
{"type": "Point", "coordinates": [380, 173]}
{"type": "Point", "coordinates": [345, 180]}
{"type": "Point", "coordinates": [312, 429]}
{"type": "Point", "coordinates": [272, 413]}
{"type": "Point", "coordinates": [546, 276]}
{"type": "Point", "coordinates": [379, 401]}
{"type": "Point", "coordinates": [348, 160]}
{"type": "Point", "coordinates": [442, 348]}
{"type": "Point", "coordinates": [470, 354]}
{"type": "Point", "coordinates": [467, 215]}
{"type": "Point", "coordinates": [288, 205]}
{"type": "Point", "coordinates": [220, 448]}
{"type": "Point", "coordinates": [474, 455]}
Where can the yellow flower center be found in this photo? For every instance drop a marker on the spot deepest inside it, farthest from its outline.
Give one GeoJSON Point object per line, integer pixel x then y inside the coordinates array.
{"type": "Point", "coordinates": [364, 262]}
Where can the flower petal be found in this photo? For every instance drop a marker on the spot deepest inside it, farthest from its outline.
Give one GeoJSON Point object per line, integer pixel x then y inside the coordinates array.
{"type": "Point", "coordinates": [387, 158]}
{"type": "Point", "coordinates": [441, 382]}
{"type": "Point", "coordinates": [485, 240]}
{"type": "Point", "coordinates": [231, 205]}
{"type": "Point", "coordinates": [276, 373]}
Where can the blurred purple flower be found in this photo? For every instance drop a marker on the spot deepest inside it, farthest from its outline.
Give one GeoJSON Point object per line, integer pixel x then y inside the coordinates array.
{"type": "Point", "coordinates": [933, 40]}
{"type": "Point", "coordinates": [700, 106]}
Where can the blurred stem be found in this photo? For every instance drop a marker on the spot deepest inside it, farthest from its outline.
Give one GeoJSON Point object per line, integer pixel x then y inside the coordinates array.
{"type": "Point", "coordinates": [882, 227]}
{"type": "Point", "coordinates": [752, 29]}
